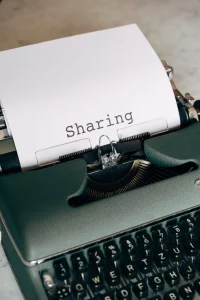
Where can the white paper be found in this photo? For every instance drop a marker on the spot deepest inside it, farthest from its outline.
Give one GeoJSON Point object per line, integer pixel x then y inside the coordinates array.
{"type": "Point", "coordinates": [48, 87]}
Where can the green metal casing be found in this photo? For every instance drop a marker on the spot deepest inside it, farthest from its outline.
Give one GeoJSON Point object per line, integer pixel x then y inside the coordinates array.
{"type": "Point", "coordinates": [37, 221]}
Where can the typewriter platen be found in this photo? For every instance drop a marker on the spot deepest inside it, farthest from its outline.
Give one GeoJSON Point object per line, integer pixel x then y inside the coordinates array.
{"type": "Point", "coordinates": [119, 222]}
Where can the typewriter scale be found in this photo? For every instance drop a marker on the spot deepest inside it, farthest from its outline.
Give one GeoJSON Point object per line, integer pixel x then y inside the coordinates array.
{"type": "Point", "coordinates": [118, 222]}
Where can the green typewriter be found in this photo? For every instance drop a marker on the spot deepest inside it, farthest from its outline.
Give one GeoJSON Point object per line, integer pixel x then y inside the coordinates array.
{"type": "Point", "coordinates": [119, 221]}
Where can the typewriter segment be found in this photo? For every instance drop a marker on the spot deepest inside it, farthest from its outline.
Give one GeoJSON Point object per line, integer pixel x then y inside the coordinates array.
{"type": "Point", "coordinates": [161, 261]}
{"type": "Point", "coordinates": [124, 177]}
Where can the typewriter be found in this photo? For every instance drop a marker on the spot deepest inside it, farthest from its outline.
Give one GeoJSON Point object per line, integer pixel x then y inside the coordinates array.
{"type": "Point", "coordinates": [99, 226]}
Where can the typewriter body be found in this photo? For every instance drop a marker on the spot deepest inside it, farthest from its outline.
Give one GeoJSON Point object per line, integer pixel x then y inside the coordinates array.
{"type": "Point", "coordinates": [97, 227]}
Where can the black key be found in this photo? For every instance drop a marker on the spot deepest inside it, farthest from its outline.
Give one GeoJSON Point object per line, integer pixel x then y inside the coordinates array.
{"type": "Point", "coordinates": [144, 241]}
{"type": "Point", "coordinates": [188, 224]}
{"type": "Point", "coordinates": [128, 269]}
{"type": "Point", "coordinates": [62, 293]}
{"type": "Point", "coordinates": [176, 252]}
{"type": "Point", "coordinates": [191, 246]}
{"type": "Point", "coordinates": [187, 271]}
{"type": "Point", "coordinates": [79, 261]}
{"type": "Point", "coordinates": [175, 230]}
{"type": "Point", "coordinates": [197, 286]}
{"type": "Point", "coordinates": [171, 295]}
{"type": "Point", "coordinates": [112, 274]}
{"type": "Point", "coordinates": [145, 264]}
{"type": "Point", "coordinates": [172, 277]}
{"type": "Point", "coordinates": [111, 250]}
{"type": "Point", "coordinates": [106, 296]}
{"type": "Point", "coordinates": [124, 293]}
{"type": "Point", "coordinates": [187, 291]}
{"type": "Point", "coordinates": [95, 279]}
{"type": "Point", "coordinates": [96, 255]}
{"type": "Point", "coordinates": [161, 258]}
{"type": "Point", "coordinates": [128, 245]}
{"type": "Point", "coordinates": [155, 298]}
{"type": "Point", "coordinates": [61, 269]}
{"type": "Point", "coordinates": [78, 287]}
{"type": "Point", "coordinates": [159, 235]}
{"type": "Point", "coordinates": [160, 238]}
{"type": "Point", "coordinates": [156, 282]}
{"type": "Point", "coordinates": [140, 289]}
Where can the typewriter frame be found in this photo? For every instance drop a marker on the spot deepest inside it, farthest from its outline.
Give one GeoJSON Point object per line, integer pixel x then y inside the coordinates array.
{"type": "Point", "coordinates": [34, 206]}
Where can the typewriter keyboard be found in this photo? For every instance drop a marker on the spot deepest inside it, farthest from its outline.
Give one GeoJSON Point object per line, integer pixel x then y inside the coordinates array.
{"type": "Point", "coordinates": [161, 261]}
